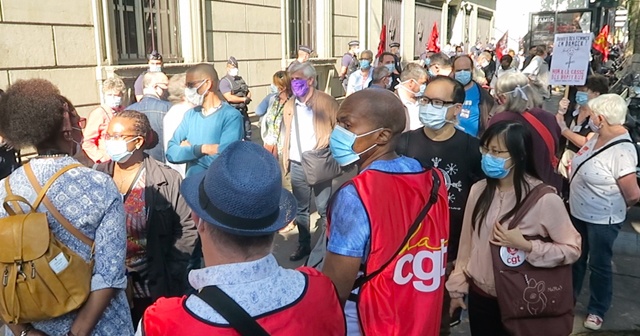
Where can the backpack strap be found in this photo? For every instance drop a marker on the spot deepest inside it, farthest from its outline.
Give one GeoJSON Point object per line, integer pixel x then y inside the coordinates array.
{"type": "Point", "coordinates": [42, 198]}
{"type": "Point", "coordinates": [11, 201]}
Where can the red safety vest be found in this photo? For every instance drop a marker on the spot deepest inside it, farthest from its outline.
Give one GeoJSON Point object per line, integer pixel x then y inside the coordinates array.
{"type": "Point", "coordinates": [317, 312]}
{"type": "Point", "coordinates": [405, 298]}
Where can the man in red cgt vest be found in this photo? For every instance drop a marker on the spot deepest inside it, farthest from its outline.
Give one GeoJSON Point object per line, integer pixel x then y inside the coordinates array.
{"type": "Point", "coordinates": [388, 227]}
{"type": "Point", "coordinates": [242, 289]}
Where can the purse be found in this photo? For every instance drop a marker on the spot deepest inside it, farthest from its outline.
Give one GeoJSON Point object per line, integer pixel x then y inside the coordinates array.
{"type": "Point", "coordinates": [532, 300]}
{"type": "Point", "coordinates": [318, 165]}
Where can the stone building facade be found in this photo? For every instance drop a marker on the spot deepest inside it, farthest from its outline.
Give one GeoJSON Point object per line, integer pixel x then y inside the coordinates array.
{"type": "Point", "coordinates": [78, 43]}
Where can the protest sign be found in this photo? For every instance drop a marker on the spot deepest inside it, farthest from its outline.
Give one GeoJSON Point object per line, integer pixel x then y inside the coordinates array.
{"type": "Point", "coordinates": [570, 62]}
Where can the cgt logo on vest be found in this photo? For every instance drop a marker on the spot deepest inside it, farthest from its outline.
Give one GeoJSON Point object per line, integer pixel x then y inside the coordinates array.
{"type": "Point", "coordinates": [426, 268]}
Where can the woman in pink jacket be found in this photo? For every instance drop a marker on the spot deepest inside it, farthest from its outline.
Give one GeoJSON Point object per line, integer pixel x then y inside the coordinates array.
{"type": "Point", "coordinates": [507, 162]}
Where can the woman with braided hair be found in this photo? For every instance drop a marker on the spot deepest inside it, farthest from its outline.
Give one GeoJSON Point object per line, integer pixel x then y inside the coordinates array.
{"type": "Point", "coordinates": [160, 232]}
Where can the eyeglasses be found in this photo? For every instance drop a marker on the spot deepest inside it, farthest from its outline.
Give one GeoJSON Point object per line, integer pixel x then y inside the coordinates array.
{"type": "Point", "coordinates": [484, 150]}
{"type": "Point", "coordinates": [118, 136]}
{"type": "Point", "coordinates": [82, 122]}
{"type": "Point", "coordinates": [437, 103]}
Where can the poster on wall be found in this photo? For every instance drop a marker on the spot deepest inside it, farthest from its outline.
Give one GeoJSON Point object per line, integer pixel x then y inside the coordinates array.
{"type": "Point", "coordinates": [542, 25]}
{"type": "Point", "coordinates": [570, 62]}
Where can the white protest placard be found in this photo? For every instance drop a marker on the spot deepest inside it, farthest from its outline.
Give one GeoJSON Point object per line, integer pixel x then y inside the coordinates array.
{"type": "Point", "coordinates": [570, 62]}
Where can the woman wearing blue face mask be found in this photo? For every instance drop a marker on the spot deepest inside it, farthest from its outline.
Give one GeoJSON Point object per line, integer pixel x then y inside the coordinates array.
{"type": "Point", "coordinates": [160, 232]}
{"type": "Point", "coordinates": [361, 78]}
{"type": "Point", "coordinates": [575, 127]}
{"type": "Point", "coordinates": [508, 163]}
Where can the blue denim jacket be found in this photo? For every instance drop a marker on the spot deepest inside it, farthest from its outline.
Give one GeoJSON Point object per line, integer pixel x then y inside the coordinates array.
{"type": "Point", "coordinates": [155, 109]}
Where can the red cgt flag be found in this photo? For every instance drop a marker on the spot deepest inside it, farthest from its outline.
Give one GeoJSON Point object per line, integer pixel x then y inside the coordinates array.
{"type": "Point", "coordinates": [501, 45]}
{"type": "Point", "coordinates": [382, 46]}
{"type": "Point", "coordinates": [600, 43]}
{"type": "Point", "coordinates": [434, 44]}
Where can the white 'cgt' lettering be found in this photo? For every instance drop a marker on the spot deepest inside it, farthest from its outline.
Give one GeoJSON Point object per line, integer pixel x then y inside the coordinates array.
{"type": "Point", "coordinates": [422, 277]}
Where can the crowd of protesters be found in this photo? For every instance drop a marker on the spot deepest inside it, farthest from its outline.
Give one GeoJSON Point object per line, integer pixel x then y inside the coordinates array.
{"type": "Point", "coordinates": [468, 195]}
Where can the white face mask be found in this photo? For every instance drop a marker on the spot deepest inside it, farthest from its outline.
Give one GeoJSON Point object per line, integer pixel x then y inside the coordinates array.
{"type": "Point", "coordinates": [112, 101]}
{"type": "Point", "coordinates": [117, 149]}
{"type": "Point", "coordinates": [155, 68]}
{"type": "Point", "coordinates": [192, 95]}
{"type": "Point", "coordinates": [233, 72]}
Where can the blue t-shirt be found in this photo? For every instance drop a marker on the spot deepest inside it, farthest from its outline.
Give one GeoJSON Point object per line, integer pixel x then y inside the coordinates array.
{"type": "Point", "coordinates": [222, 128]}
{"type": "Point", "coordinates": [350, 230]}
{"type": "Point", "coordinates": [470, 116]}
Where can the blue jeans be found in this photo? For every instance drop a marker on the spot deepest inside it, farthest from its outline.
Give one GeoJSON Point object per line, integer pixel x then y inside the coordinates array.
{"type": "Point", "coordinates": [597, 251]}
{"type": "Point", "coordinates": [302, 193]}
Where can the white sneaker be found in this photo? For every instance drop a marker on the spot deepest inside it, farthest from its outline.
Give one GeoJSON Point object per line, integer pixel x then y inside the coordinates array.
{"type": "Point", "coordinates": [593, 322]}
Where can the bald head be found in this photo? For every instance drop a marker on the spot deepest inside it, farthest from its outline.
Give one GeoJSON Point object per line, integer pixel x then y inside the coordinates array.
{"type": "Point", "coordinates": [204, 71]}
{"type": "Point", "coordinates": [152, 79]}
{"type": "Point", "coordinates": [381, 108]}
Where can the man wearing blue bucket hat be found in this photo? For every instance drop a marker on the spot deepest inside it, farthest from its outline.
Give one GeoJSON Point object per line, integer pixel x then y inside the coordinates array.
{"type": "Point", "coordinates": [241, 205]}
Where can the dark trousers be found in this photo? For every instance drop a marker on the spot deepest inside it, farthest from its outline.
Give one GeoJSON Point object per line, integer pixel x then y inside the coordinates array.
{"type": "Point", "coordinates": [484, 315]}
{"type": "Point", "coordinates": [302, 192]}
{"type": "Point", "coordinates": [597, 252]}
{"type": "Point", "coordinates": [139, 306]}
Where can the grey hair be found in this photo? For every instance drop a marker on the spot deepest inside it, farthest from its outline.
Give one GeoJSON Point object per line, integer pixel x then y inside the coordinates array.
{"type": "Point", "coordinates": [177, 83]}
{"type": "Point", "coordinates": [379, 73]}
{"type": "Point", "coordinates": [114, 84]}
{"type": "Point", "coordinates": [611, 106]}
{"type": "Point", "coordinates": [515, 103]}
{"type": "Point", "coordinates": [306, 68]}
{"type": "Point", "coordinates": [413, 71]}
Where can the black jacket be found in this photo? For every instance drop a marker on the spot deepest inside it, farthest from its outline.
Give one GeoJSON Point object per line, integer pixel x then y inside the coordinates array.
{"type": "Point", "coordinates": [171, 233]}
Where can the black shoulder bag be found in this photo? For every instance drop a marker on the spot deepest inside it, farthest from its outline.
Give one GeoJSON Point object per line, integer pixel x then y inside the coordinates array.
{"type": "Point", "coordinates": [237, 317]}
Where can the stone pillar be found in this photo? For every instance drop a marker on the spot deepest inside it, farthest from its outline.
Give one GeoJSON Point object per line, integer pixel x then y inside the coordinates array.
{"type": "Point", "coordinates": [444, 24]}
{"type": "Point", "coordinates": [374, 24]}
{"type": "Point", "coordinates": [473, 26]}
{"type": "Point", "coordinates": [324, 28]}
{"type": "Point", "coordinates": [408, 29]}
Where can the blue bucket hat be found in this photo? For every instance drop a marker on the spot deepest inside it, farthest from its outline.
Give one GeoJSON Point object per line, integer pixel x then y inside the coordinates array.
{"type": "Point", "coordinates": [241, 193]}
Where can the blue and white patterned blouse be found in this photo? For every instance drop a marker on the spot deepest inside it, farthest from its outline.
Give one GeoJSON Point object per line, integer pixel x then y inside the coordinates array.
{"type": "Point", "coordinates": [91, 202]}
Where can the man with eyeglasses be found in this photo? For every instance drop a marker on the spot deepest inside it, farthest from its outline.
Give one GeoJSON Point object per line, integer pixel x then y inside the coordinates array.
{"type": "Point", "coordinates": [361, 78]}
{"type": "Point", "coordinates": [209, 127]}
{"type": "Point", "coordinates": [154, 105]}
{"type": "Point", "coordinates": [455, 153]}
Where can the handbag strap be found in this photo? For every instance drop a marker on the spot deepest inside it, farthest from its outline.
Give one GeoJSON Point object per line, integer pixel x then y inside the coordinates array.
{"type": "Point", "coordinates": [228, 308]}
{"type": "Point", "coordinates": [596, 153]}
{"type": "Point", "coordinates": [42, 198]}
{"type": "Point", "coordinates": [295, 118]}
{"type": "Point", "coordinates": [545, 134]}
{"type": "Point", "coordinates": [529, 201]}
{"type": "Point", "coordinates": [433, 198]}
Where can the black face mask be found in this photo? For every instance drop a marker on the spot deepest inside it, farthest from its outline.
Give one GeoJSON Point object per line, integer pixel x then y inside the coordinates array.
{"type": "Point", "coordinates": [164, 95]}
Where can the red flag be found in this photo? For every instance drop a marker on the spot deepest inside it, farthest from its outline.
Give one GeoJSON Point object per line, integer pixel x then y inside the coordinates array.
{"type": "Point", "coordinates": [600, 43]}
{"type": "Point", "coordinates": [501, 45]}
{"type": "Point", "coordinates": [382, 46]}
{"type": "Point", "coordinates": [434, 44]}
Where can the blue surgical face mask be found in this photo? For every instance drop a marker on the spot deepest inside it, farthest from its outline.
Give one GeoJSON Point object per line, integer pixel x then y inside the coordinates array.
{"type": "Point", "coordinates": [341, 145]}
{"type": "Point", "coordinates": [427, 61]}
{"type": "Point", "coordinates": [273, 89]}
{"type": "Point", "coordinates": [595, 128]}
{"type": "Point", "coordinates": [423, 87]}
{"type": "Point", "coordinates": [581, 98]}
{"type": "Point", "coordinates": [493, 166]}
{"type": "Point", "coordinates": [463, 76]}
{"type": "Point", "coordinates": [117, 149]}
{"type": "Point", "coordinates": [365, 64]}
{"type": "Point", "coordinates": [391, 67]}
{"type": "Point", "coordinates": [433, 117]}
{"type": "Point", "coordinates": [431, 73]}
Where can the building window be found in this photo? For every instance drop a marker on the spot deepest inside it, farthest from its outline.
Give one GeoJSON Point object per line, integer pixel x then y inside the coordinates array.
{"type": "Point", "coordinates": [302, 25]}
{"type": "Point", "coordinates": [142, 26]}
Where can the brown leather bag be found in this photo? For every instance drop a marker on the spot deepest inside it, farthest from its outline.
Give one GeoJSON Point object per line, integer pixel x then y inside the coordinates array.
{"type": "Point", "coordinates": [532, 300]}
{"type": "Point", "coordinates": [41, 277]}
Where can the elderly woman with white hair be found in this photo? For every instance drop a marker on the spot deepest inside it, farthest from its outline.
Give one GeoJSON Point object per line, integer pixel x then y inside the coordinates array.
{"type": "Point", "coordinates": [93, 144]}
{"type": "Point", "coordinates": [603, 185]}
{"type": "Point", "coordinates": [520, 101]}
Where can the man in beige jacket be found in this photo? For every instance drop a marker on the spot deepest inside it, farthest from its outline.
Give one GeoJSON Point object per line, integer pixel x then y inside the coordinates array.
{"type": "Point", "coordinates": [308, 122]}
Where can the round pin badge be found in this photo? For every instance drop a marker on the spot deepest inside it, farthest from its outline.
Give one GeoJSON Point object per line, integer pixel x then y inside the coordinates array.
{"type": "Point", "coordinates": [512, 257]}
